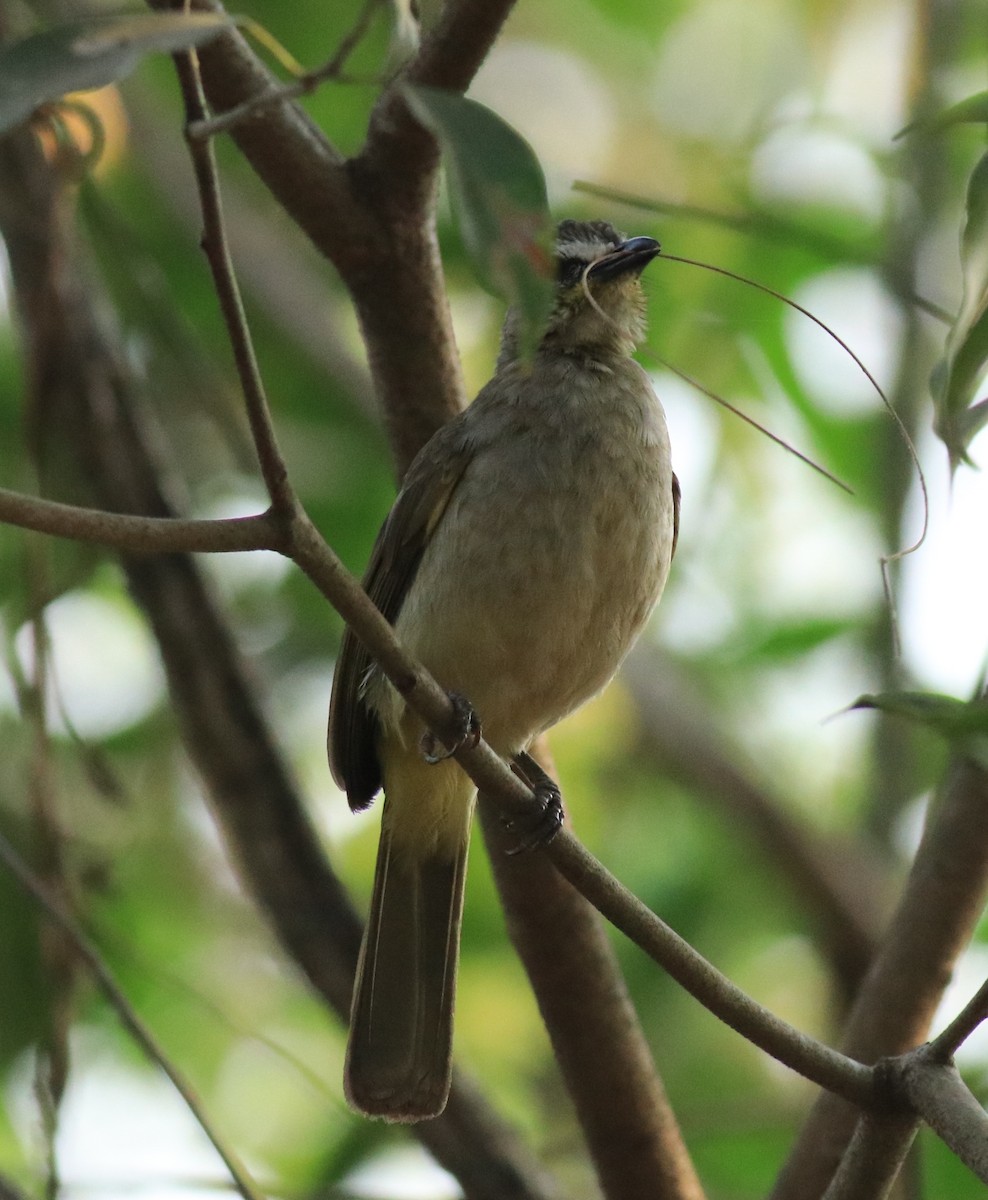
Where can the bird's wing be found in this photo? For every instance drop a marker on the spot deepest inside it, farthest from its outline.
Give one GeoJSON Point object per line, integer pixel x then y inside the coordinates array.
{"type": "Point", "coordinates": [429, 485]}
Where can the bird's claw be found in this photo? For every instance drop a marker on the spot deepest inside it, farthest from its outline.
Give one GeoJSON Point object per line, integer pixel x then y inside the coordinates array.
{"type": "Point", "coordinates": [541, 824]}
{"type": "Point", "coordinates": [466, 731]}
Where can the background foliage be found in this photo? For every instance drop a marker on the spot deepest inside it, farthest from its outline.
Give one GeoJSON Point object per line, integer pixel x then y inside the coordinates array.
{"type": "Point", "coordinates": [761, 137]}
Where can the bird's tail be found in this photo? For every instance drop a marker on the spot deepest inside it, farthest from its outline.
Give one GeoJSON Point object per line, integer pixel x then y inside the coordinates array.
{"type": "Point", "coordinates": [401, 1027]}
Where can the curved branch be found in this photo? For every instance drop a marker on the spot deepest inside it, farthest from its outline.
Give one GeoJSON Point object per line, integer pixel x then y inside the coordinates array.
{"type": "Point", "coordinates": [141, 535]}
{"type": "Point", "coordinates": [449, 57]}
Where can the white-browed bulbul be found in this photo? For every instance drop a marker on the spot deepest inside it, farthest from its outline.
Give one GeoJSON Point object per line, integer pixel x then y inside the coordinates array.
{"type": "Point", "coordinates": [527, 547]}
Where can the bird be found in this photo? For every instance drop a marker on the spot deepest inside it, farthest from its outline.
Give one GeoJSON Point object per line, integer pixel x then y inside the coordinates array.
{"type": "Point", "coordinates": [523, 555]}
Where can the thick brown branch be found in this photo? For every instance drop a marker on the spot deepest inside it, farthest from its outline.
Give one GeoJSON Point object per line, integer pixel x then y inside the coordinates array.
{"type": "Point", "coordinates": [634, 1139]}
{"type": "Point", "coordinates": [874, 1157]}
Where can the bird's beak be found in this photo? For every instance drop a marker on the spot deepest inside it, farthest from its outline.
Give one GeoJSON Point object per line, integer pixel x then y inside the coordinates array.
{"type": "Point", "coordinates": [634, 255]}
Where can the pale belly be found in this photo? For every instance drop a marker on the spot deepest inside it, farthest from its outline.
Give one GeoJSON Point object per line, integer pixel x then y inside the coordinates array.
{"type": "Point", "coordinates": [549, 590]}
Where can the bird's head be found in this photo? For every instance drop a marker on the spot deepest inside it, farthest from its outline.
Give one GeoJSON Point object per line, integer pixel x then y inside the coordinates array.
{"type": "Point", "coordinates": [599, 307]}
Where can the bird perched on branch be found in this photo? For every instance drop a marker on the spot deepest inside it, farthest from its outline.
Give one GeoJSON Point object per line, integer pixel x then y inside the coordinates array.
{"type": "Point", "coordinates": [528, 545]}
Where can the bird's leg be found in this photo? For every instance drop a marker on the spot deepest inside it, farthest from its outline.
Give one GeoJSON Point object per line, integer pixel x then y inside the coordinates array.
{"type": "Point", "coordinates": [542, 825]}
{"type": "Point", "coordinates": [464, 730]}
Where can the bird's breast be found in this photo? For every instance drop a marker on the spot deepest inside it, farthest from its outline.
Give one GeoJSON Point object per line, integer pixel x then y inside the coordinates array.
{"type": "Point", "coordinates": [547, 562]}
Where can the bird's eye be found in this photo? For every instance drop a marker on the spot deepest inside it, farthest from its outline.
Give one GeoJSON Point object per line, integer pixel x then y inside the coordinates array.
{"type": "Point", "coordinates": [570, 270]}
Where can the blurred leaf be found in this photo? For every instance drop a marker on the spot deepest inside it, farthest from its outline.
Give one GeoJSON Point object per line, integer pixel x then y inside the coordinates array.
{"type": "Point", "coordinates": [782, 639]}
{"type": "Point", "coordinates": [964, 723]}
{"type": "Point", "coordinates": [970, 110]}
{"type": "Point", "coordinates": [83, 55]}
{"type": "Point", "coordinates": [957, 375]}
{"type": "Point", "coordinates": [500, 201]}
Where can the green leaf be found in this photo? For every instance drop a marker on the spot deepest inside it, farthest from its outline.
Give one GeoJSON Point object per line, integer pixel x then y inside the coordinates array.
{"type": "Point", "coordinates": [963, 723]}
{"type": "Point", "coordinates": [971, 110]}
{"type": "Point", "coordinates": [956, 377]}
{"type": "Point", "coordinates": [499, 199]}
{"type": "Point", "coordinates": [82, 55]}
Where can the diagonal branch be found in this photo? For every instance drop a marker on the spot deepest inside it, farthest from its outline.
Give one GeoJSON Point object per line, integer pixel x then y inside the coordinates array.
{"type": "Point", "coordinates": [938, 1093]}
{"type": "Point", "coordinates": [838, 887]}
{"type": "Point", "coordinates": [492, 775]}
{"type": "Point", "coordinates": [118, 1001]}
{"type": "Point", "coordinates": [933, 922]}
{"type": "Point", "coordinates": [945, 1044]}
{"type": "Point", "coordinates": [449, 57]}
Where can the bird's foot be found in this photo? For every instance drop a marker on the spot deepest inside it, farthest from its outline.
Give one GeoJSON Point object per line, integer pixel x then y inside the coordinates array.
{"type": "Point", "coordinates": [539, 827]}
{"type": "Point", "coordinates": [465, 731]}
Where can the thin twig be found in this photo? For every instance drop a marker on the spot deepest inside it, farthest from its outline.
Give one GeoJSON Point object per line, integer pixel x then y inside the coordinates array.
{"type": "Point", "coordinates": [648, 352]}
{"type": "Point", "coordinates": [886, 560]}
{"type": "Point", "coordinates": [304, 85]}
{"type": "Point", "coordinates": [214, 243]}
{"type": "Point", "coordinates": [945, 1044]}
{"type": "Point", "coordinates": [128, 1017]}
{"type": "Point", "coordinates": [121, 531]}
{"type": "Point", "coordinates": [765, 224]}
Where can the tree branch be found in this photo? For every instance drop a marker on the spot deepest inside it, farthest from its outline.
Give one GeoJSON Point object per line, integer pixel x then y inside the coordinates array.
{"type": "Point", "coordinates": [874, 1157]}
{"type": "Point", "coordinates": [305, 545]}
{"type": "Point", "coordinates": [141, 535]}
{"type": "Point", "coordinates": [941, 1097]}
{"type": "Point", "coordinates": [839, 888]}
{"type": "Point", "coordinates": [933, 922]}
{"type": "Point", "coordinates": [128, 1017]}
{"type": "Point", "coordinates": [254, 797]}
{"type": "Point", "coordinates": [634, 1139]}
{"type": "Point", "coordinates": [449, 57]}
{"type": "Point", "coordinates": [214, 243]}
{"type": "Point", "coordinates": [492, 775]}
{"type": "Point", "coordinates": [944, 1045]}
